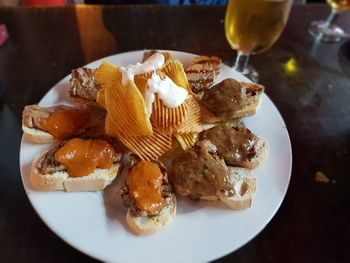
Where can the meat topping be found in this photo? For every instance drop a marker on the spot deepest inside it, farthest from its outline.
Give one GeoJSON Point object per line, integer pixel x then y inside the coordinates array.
{"type": "Point", "coordinates": [234, 144]}
{"type": "Point", "coordinates": [226, 97]}
{"type": "Point", "coordinates": [200, 172]}
{"type": "Point", "coordinates": [84, 84]}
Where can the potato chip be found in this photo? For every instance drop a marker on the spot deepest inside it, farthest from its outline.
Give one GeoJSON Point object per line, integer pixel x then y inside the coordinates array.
{"type": "Point", "coordinates": [187, 140]}
{"type": "Point", "coordinates": [167, 120]}
{"type": "Point", "coordinates": [148, 148]}
{"type": "Point", "coordinates": [193, 121]}
{"type": "Point", "coordinates": [141, 82]}
{"type": "Point", "coordinates": [175, 71]}
{"type": "Point", "coordinates": [105, 75]}
{"type": "Point", "coordinates": [126, 111]}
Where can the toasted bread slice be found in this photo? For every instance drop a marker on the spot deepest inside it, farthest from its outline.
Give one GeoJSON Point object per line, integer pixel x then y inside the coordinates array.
{"type": "Point", "coordinates": [60, 180]}
{"type": "Point", "coordinates": [244, 182]}
{"type": "Point", "coordinates": [84, 84]}
{"type": "Point", "coordinates": [38, 136]}
{"type": "Point", "coordinates": [92, 122]}
{"type": "Point", "coordinates": [262, 150]}
{"type": "Point", "coordinates": [202, 73]}
{"type": "Point", "coordinates": [147, 225]}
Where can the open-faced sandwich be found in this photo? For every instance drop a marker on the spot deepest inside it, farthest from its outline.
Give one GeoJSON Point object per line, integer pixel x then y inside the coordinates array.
{"type": "Point", "coordinates": [230, 99]}
{"type": "Point", "coordinates": [76, 165]}
{"type": "Point", "coordinates": [57, 123]}
{"type": "Point", "coordinates": [218, 166]}
{"type": "Point", "coordinates": [151, 205]}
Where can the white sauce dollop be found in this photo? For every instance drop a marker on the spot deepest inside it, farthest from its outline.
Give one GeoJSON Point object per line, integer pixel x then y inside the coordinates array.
{"type": "Point", "coordinates": [154, 62]}
{"type": "Point", "coordinates": [169, 93]}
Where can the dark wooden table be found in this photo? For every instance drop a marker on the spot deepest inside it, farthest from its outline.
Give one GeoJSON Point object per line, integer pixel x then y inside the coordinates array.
{"type": "Point", "coordinates": [313, 95]}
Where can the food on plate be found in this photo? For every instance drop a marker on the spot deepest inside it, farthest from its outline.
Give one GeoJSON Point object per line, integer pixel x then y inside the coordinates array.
{"type": "Point", "coordinates": [175, 71]}
{"type": "Point", "coordinates": [156, 109]}
{"type": "Point", "coordinates": [202, 73]}
{"type": "Point", "coordinates": [187, 140]}
{"type": "Point", "coordinates": [238, 146]}
{"type": "Point", "coordinates": [147, 195]}
{"type": "Point", "coordinates": [201, 173]}
{"type": "Point", "coordinates": [84, 84]}
{"type": "Point", "coordinates": [167, 55]}
{"type": "Point", "coordinates": [148, 147]}
{"type": "Point", "coordinates": [156, 93]}
{"type": "Point", "coordinates": [231, 99]}
{"type": "Point", "coordinates": [193, 121]}
{"type": "Point", "coordinates": [76, 165]}
{"type": "Point", "coordinates": [168, 120]}
{"type": "Point", "coordinates": [123, 100]}
{"type": "Point", "coordinates": [237, 122]}
{"type": "Point", "coordinates": [45, 125]}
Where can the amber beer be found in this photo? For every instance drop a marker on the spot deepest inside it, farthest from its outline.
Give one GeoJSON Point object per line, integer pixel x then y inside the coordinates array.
{"type": "Point", "coordinates": [339, 5]}
{"type": "Point", "coordinates": [252, 26]}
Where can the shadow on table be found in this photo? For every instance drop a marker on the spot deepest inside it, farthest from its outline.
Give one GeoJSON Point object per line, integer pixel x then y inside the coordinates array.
{"type": "Point", "coordinates": [344, 58]}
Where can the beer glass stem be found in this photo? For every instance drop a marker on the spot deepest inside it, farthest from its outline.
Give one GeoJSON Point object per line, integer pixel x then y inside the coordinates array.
{"type": "Point", "coordinates": [331, 18]}
{"type": "Point", "coordinates": [241, 62]}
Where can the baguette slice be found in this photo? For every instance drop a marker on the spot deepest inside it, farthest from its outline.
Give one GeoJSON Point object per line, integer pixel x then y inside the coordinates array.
{"type": "Point", "coordinates": [244, 183]}
{"type": "Point", "coordinates": [147, 225]}
{"type": "Point", "coordinates": [202, 73]}
{"type": "Point", "coordinates": [38, 136]}
{"type": "Point", "coordinates": [262, 151]}
{"type": "Point", "coordinates": [34, 130]}
{"type": "Point", "coordinates": [84, 84]}
{"type": "Point", "coordinates": [60, 180]}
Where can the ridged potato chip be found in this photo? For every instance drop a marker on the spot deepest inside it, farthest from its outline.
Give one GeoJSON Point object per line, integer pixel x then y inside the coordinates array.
{"type": "Point", "coordinates": [105, 75]}
{"type": "Point", "coordinates": [167, 120]}
{"type": "Point", "coordinates": [148, 148]}
{"type": "Point", "coordinates": [175, 71]}
{"type": "Point", "coordinates": [193, 121]}
{"type": "Point", "coordinates": [141, 82]}
{"type": "Point", "coordinates": [187, 140]}
{"type": "Point", "coordinates": [126, 111]}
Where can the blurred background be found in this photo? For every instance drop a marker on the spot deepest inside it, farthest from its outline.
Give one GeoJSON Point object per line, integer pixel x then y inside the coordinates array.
{"type": "Point", "coordinates": [65, 2]}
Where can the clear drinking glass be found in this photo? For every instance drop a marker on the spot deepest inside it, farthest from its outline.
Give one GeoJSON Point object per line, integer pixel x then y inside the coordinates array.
{"type": "Point", "coordinates": [253, 26]}
{"type": "Point", "coordinates": [326, 30]}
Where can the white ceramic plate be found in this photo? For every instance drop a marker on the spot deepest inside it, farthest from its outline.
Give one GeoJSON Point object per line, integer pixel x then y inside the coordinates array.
{"type": "Point", "coordinates": [94, 222]}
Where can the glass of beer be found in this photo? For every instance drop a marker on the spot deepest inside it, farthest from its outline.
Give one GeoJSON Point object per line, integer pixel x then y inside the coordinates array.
{"type": "Point", "coordinates": [253, 26]}
{"type": "Point", "coordinates": [326, 30]}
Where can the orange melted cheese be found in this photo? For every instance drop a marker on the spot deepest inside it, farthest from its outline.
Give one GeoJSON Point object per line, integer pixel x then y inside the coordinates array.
{"type": "Point", "coordinates": [64, 123]}
{"type": "Point", "coordinates": [82, 157]}
{"type": "Point", "coordinates": [144, 182]}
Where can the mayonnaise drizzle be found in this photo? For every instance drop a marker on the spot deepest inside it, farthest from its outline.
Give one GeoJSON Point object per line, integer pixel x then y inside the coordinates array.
{"type": "Point", "coordinates": [154, 62]}
{"type": "Point", "coordinates": [171, 95]}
